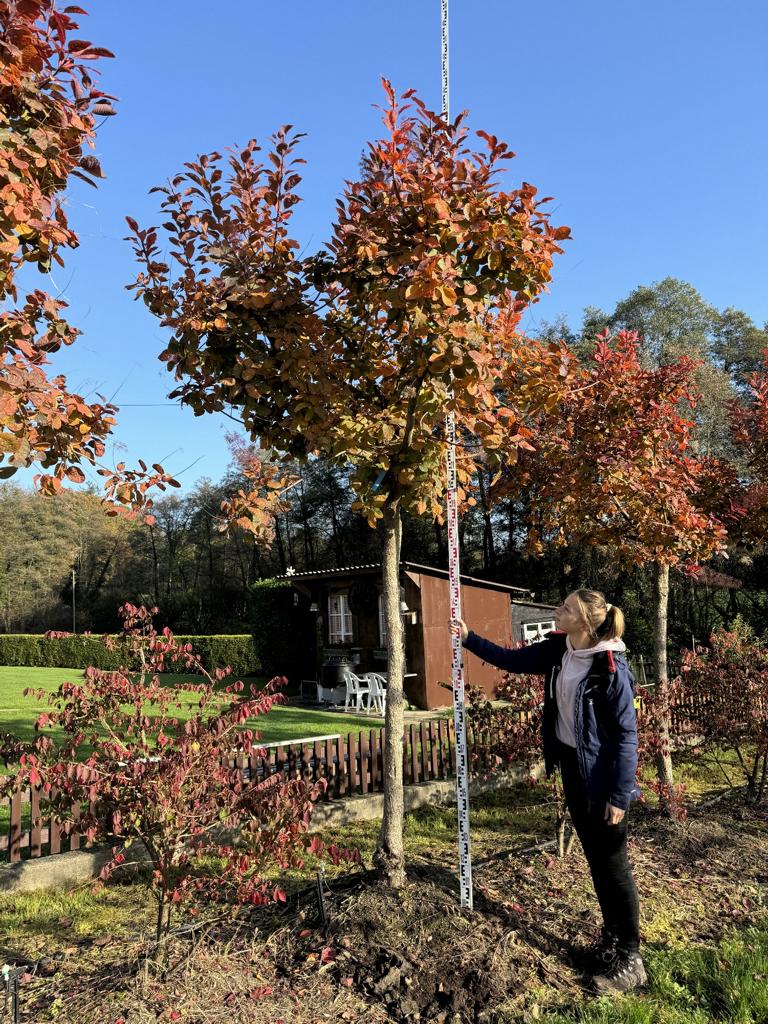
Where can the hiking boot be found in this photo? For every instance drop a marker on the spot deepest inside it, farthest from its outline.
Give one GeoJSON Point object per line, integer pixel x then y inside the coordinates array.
{"type": "Point", "coordinates": [625, 973]}
{"type": "Point", "coordinates": [600, 955]}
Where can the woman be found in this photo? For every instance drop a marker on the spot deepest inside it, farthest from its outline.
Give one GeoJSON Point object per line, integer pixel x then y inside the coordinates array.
{"type": "Point", "coordinates": [590, 733]}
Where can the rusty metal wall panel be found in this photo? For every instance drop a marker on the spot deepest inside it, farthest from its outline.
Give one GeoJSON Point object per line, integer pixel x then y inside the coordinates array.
{"type": "Point", "coordinates": [486, 611]}
{"type": "Point", "coordinates": [415, 689]}
{"type": "Point", "coordinates": [435, 608]}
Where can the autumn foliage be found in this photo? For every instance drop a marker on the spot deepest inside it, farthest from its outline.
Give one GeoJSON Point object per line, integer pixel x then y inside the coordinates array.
{"type": "Point", "coordinates": [254, 506]}
{"type": "Point", "coordinates": [613, 462]}
{"type": "Point", "coordinates": [356, 352]}
{"type": "Point", "coordinates": [140, 771]}
{"type": "Point", "coordinates": [513, 728]}
{"type": "Point", "coordinates": [49, 109]}
{"type": "Point", "coordinates": [724, 688]}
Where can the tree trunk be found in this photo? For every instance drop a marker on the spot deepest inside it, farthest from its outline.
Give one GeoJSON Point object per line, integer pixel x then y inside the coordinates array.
{"type": "Point", "coordinates": [280, 547]}
{"type": "Point", "coordinates": [309, 560]}
{"type": "Point", "coordinates": [442, 547]}
{"type": "Point", "coordinates": [389, 858]}
{"type": "Point", "coordinates": [663, 755]}
{"type": "Point", "coordinates": [489, 549]}
{"type": "Point", "coordinates": [338, 547]}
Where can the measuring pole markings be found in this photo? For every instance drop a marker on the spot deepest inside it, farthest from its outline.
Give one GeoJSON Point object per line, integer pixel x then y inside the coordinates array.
{"type": "Point", "coordinates": [457, 674]}
{"type": "Point", "coordinates": [457, 670]}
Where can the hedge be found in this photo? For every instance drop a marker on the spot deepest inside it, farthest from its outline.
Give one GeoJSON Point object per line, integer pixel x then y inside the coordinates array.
{"type": "Point", "coordinates": [79, 651]}
{"type": "Point", "coordinates": [277, 624]}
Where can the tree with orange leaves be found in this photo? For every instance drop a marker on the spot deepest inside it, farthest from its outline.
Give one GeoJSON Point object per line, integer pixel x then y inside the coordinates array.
{"type": "Point", "coordinates": [49, 106]}
{"type": "Point", "coordinates": [356, 353]}
{"type": "Point", "coordinates": [612, 465]}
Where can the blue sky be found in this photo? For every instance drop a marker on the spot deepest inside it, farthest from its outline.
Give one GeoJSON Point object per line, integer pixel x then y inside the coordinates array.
{"type": "Point", "coordinates": [646, 122]}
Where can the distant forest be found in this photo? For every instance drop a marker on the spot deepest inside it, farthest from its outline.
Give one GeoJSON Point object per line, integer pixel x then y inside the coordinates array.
{"type": "Point", "coordinates": [200, 578]}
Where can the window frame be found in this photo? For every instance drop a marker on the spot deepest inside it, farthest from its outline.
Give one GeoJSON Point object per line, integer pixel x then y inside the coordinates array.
{"type": "Point", "coordinates": [544, 626]}
{"type": "Point", "coordinates": [340, 623]}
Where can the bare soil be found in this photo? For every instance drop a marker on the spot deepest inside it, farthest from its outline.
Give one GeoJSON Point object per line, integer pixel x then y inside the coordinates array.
{"type": "Point", "coordinates": [414, 955]}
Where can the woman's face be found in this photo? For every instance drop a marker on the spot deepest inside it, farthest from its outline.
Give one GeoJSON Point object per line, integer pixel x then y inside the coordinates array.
{"type": "Point", "coordinates": [568, 616]}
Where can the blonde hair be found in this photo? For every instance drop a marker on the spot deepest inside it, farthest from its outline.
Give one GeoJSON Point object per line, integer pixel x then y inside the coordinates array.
{"type": "Point", "coordinates": [603, 620]}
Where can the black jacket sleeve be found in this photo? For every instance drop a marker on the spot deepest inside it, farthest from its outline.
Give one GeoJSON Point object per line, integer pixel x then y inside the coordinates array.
{"type": "Point", "coordinates": [535, 659]}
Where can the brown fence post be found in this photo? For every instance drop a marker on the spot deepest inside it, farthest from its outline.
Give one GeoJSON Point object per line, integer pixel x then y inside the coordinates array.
{"type": "Point", "coordinates": [410, 771]}
{"type": "Point", "coordinates": [74, 835]}
{"type": "Point", "coordinates": [14, 831]}
{"type": "Point", "coordinates": [375, 747]}
{"type": "Point", "coordinates": [441, 748]}
{"type": "Point", "coordinates": [433, 751]}
{"type": "Point", "coordinates": [35, 824]}
{"type": "Point", "coordinates": [330, 770]}
{"type": "Point", "coordinates": [253, 768]}
{"type": "Point", "coordinates": [92, 808]}
{"type": "Point", "coordinates": [414, 754]}
{"type": "Point", "coordinates": [352, 744]}
{"type": "Point", "coordinates": [54, 828]}
{"type": "Point", "coordinates": [364, 748]}
{"type": "Point", "coordinates": [471, 747]}
{"type": "Point", "coordinates": [341, 745]}
{"type": "Point", "coordinates": [424, 751]}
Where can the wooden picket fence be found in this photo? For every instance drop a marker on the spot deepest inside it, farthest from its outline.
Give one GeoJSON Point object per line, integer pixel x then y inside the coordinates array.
{"type": "Point", "coordinates": [351, 765]}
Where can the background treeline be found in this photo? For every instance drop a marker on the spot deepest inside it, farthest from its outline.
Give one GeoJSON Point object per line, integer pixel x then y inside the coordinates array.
{"type": "Point", "coordinates": [201, 577]}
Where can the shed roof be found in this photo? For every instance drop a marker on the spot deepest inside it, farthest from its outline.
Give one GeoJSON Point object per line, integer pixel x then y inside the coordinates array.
{"type": "Point", "coordinates": [371, 568]}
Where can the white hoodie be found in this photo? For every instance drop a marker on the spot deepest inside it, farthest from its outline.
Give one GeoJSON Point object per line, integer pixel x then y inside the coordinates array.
{"type": "Point", "coordinates": [576, 665]}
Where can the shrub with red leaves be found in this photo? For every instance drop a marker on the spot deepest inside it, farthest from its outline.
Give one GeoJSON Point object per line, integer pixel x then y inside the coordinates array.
{"type": "Point", "coordinates": [724, 689]}
{"type": "Point", "coordinates": [143, 771]}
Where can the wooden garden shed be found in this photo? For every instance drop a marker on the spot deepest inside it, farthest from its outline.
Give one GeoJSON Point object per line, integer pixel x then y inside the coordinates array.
{"type": "Point", "coordinates": [346, 625]}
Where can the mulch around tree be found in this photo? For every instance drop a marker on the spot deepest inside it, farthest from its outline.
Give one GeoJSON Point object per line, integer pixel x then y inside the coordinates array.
{"type": "Point", "coordinates": [414, 955]}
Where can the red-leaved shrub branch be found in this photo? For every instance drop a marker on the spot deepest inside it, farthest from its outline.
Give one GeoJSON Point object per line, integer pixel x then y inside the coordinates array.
{"type": "Point", "coordinates": [138, 759]}
{"type": "Point", "coordinates": [725, 692]}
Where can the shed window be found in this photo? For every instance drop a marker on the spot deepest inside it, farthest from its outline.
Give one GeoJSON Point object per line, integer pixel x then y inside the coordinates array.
{"type": "Point", "coordinates": [339, 619]}
{"type": "Point", "coordinates": [533, 631]}
{"type": "Point", "coordinates": [383, 638]}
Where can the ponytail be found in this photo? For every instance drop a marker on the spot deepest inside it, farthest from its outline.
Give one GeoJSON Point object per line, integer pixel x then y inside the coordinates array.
{"type": "Point", "coordinates": [603, 620]}
{"type": "Point", "coordinates": [612, 626]}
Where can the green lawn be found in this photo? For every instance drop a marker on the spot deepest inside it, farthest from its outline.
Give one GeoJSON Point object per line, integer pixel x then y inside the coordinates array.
{"type": "Point", "coordinates": [18, 713]}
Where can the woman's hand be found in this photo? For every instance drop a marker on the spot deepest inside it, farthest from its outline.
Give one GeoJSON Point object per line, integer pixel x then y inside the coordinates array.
{"type": "Point", "coordinates": [459, 626]}
{"type": "Point", "coordinates": [614, 815]}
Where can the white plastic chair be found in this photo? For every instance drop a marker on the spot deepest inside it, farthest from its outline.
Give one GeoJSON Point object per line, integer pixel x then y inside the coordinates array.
{"type": "Point", "coordinates": [356, 691]}
{"type": "Point", "coordinates": [378, 695]}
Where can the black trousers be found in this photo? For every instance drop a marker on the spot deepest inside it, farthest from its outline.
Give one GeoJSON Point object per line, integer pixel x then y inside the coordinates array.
{"type": "Point", "coordinates": [605, 847]}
